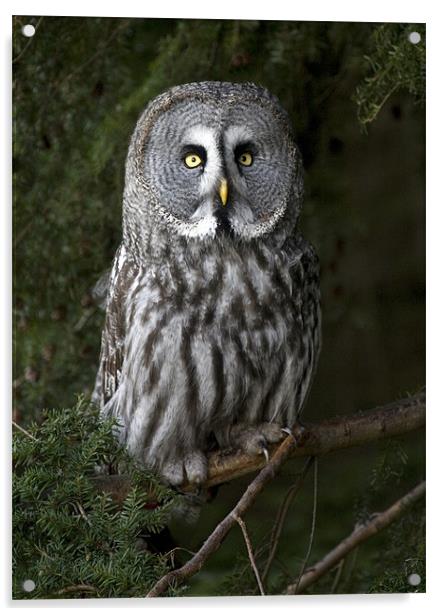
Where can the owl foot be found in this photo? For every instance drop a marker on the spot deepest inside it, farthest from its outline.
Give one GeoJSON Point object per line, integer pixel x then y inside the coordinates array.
{"type": "Point", "coordinates": [191, 469]}
{"type": "Point", "coordinates": [254, 440]}
{"type": "Point", "coordinates": [296, 433]}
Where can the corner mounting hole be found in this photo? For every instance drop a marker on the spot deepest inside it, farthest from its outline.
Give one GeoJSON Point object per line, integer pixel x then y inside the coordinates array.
{"type": "Point", "coordinates": [28, 585]}
{"type": "Point", "coordinates": [28, 30]}
{"type": "Point", "coordinates": [414, 38]}
{"type": "Point", "coordinates": [414, 579]}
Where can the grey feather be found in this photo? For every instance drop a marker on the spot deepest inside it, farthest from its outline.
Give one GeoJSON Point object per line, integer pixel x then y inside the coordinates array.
{"type": "Point", "coordinates": [99, 292]}
{"type": "Point", "coordinates": [213, 314]}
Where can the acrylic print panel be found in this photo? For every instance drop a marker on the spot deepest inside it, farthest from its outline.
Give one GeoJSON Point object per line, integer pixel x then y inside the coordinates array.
{"type": "Point", "coordinates": [172, 417]}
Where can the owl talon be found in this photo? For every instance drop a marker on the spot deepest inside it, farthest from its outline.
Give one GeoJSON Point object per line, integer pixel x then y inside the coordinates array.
{"type": "Point", "coordinates": [266, 454]}
{"type": "Point", "coordinates": [192, 469]}
{"type": "Point", "coordinates": [300, 429]}
{"type": "Point", "coordinates": [290, 433]}
{"type": "Point", "coordinates": [196, 467]}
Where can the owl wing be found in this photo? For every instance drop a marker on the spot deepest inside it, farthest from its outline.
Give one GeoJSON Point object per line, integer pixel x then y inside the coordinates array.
{"type": "Point", "coordinates": [99, 291]}
{"type": "Point", "coordinates": [122, 275]}
{"type": "Point", "coordinates": [304, 271]}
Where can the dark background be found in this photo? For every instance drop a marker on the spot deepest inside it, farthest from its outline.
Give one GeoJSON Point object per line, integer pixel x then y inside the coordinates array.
{"type": "Point", "coordinates": [354, 93]}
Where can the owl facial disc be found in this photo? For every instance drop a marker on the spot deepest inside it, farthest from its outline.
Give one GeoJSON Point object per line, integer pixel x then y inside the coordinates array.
{"type": "Point", "coordinates": [217, 157]}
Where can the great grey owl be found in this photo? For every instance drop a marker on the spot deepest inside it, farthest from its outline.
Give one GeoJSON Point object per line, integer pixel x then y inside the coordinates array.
{"type": "Point", "coordinates": [212, 327]}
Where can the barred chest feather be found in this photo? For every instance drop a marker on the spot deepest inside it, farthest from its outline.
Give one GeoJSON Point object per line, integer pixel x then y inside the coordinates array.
{"type": "Point", "coordinates": [208, 345]}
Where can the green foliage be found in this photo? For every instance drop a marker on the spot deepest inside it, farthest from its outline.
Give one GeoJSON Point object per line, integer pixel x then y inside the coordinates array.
{"type": "Point", "coordinates": [389, 559]}
{"type": "Point", "coordinates": [387, 475]}
{"type": "Point", "coordinates": [241, 581]}
{"type": "Point", "coordinates": [394, 63]}
{"type": "Point", "coordinates": [402, 548]}
{"type": "Point", "coordinates": [403, 557]}
{"type": "Point", "coordinates": [69, 539]}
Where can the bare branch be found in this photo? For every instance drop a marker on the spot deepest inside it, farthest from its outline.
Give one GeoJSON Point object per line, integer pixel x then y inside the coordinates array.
{"type": "Point", "coordinates": [318, 439]}
{"type": "Point", "coordinates": [250, 552]}
{"type": "Point", "coordinates": [213, 542]}
{"type": "Point", "coordinates": [376, 524]}
{"type": "Point", "coordinates": [330, 435]}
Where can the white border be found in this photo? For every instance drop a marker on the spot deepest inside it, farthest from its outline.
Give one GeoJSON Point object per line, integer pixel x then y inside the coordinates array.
{"type": "Point", "coordinates": [315, 10]}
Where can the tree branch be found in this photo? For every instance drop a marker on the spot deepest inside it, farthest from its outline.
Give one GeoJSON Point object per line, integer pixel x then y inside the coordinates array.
{"type": "Point", "coordinates": [338, 433]}
{"type": "Point", "coordinates": [250, 552]}
{"type": "Point", "coordinates": [318, 439]}
{"type": "Point", "coordinates": [220, 532]}
{"type": "Point", "coordinates": [375, 524]}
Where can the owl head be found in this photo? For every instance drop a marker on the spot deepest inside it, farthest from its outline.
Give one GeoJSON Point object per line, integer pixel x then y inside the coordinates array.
{"type": "Point", "coordinates": [209, 160]}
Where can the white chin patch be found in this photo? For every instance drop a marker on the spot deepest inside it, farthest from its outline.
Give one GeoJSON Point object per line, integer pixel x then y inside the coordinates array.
{"type": "Point", "coordinates": [202, 223]}
{"type": "Point", "coordinates": [200, 229]}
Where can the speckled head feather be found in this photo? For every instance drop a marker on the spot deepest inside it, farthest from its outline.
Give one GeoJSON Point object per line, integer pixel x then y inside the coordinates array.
{"type": "Point", "coordinates": [210, 109]}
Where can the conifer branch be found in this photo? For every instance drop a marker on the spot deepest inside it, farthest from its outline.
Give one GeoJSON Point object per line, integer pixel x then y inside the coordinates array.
{"type": "Point", "coordinates": [376, 523]}
{"type": "Point", "coordinates": [318, 439]}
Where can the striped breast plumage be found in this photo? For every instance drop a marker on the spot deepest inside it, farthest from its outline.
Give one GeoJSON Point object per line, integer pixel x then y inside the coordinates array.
{"type": "Point", "coordinates": [208, 345]}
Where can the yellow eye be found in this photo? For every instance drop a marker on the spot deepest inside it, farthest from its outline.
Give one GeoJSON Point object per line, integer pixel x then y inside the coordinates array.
{"type": "Point", "coordinates": [246, 159]}
{"type": "Point", "coordinates": [192, 160]}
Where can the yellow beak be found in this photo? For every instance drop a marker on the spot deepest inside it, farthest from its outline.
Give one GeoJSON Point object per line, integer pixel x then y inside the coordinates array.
{"type": "Point", "coordinates": [223, 191]}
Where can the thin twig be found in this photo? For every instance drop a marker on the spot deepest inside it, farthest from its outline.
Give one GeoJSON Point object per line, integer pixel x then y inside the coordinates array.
{"type": "Point", "coordinates": [23, 231]}
{"type": "Point", "coordinates": [339, 571]}
{"type": "Point", "coordinates": [86, 315]}
{"type": "Point", "coordinates": [351, 567]}
{"type": "Point", "coordinates": [250, 551]}
{"type": "Point", "coordinates": [376, 524]}
{"type": "Point", "coordinates": [82, 513]}
{"type": "Point", "coordinates": [282, 514]}
{"type": "Point", "coordinates": [213, 542]}
{"type": "Point", "coordinates": [313, 521]}
{"type": "Point", "coordinates": [318, 439]}
{"type": "Point", "coordinates": [23, 430]}
{"type": "Point", "coordinates": [171, 553]}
